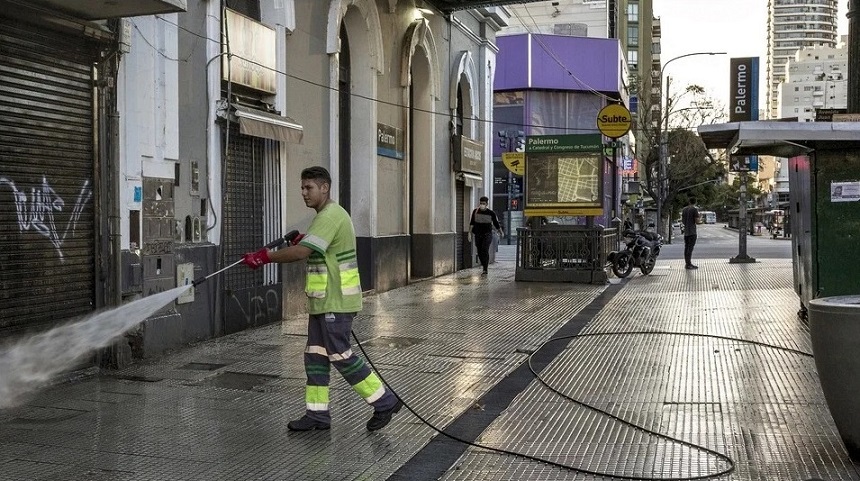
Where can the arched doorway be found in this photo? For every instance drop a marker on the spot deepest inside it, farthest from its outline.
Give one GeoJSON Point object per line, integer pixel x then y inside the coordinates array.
{"type": "Point", "coordinates": [354, 45]}
{"type": "Point", "coordinates": [421, 167]}
{"type": "Point", "coordinates": [419, 78]}
{"type": "Point", "coordinates": [344, 123]}
{"type": "Point", "coordinates": [468, 184]}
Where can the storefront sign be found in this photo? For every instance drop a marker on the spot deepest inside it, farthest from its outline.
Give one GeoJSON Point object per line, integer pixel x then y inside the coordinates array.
{"type": "Point", "coordinates": [389, 141]}
{"type": "Point", "coordinates": [253, 61]}
{"type": "Point", "coordinates": [468, 155]}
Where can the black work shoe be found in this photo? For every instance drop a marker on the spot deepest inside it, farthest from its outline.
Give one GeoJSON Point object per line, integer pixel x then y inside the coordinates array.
{"type": "Point", "coordinates": [381, 419]}
{"type": "Point", "coordinates": [307, 424]}
{"type": "Point", "coordinates": [691, 266]}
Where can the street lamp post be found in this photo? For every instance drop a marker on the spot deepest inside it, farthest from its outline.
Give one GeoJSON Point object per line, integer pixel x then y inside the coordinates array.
{"type": "Point", "coordinates": [662, 180]}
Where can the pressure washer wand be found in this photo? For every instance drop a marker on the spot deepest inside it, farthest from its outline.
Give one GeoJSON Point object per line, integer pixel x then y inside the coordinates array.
{"type": "Point", "coordinates": [271, 245]}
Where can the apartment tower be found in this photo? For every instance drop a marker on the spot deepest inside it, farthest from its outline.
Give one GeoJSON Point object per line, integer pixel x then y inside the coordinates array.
{"type": "Point", "coordinates": [792, 25]}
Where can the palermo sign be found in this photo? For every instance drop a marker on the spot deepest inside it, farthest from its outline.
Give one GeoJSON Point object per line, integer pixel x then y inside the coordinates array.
{"type": "Point", "coordinates": [743, 99]}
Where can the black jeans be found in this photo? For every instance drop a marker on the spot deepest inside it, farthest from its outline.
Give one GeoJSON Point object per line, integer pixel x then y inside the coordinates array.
{"type": "Point", "coordinates": [483, 242]}
{"type": "Point", "coordinates": [689, 243]}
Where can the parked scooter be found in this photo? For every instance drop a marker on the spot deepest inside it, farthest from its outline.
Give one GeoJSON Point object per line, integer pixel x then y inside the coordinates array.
{"type": "Point", "coordinates": [642, 249]}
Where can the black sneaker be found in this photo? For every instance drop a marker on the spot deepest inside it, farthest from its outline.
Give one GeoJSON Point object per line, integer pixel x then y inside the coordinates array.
{"type": "Point", "coordinates": [307, 424]}
{"type": "Point", "coordinates": [691, 266]}
{"type": "Point", "coordinates": [380, 419]}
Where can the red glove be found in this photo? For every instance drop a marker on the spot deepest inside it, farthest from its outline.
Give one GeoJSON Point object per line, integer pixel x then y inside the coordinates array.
{"type": "Point", "coordinates": [296, 240]}
{"type": "Point", "coordinates": [256, 259]}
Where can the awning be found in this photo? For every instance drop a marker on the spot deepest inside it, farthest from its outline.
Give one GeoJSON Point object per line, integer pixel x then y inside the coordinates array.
{"type": "Point", "coordinates": [781, 139]}
{"type": "Point", "coordinates": [472, 180]}
{"type": "Point", "coordinates": [103, 9]}
{"type": "Point", "coordinates": [267, 125]}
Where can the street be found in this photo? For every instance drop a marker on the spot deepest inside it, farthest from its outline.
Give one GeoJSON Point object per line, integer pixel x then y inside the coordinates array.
{"type": "Point", "coordinates": [715, 241]}
{"type": "Point", "coordinates": [670, 352]}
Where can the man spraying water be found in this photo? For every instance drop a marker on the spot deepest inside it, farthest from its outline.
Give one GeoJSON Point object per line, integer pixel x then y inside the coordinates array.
{"type": "Point", "coordinates": [334, 298]}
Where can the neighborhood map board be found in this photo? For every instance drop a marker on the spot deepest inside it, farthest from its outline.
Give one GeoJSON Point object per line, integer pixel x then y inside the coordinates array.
{"type": "Point", "coordinates": [563, 178]}
{"type": "Point", "coordinates": [564, 175]}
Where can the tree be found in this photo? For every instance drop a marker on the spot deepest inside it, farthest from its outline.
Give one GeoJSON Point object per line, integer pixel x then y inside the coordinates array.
{"type": "Point", "coordinates": [727, 197]}
{"type": "Point", "coordinates": [689, 163]}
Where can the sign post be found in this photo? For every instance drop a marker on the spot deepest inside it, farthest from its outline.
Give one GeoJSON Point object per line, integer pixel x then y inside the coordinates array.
{"type": "Point", "coordinates": [743, 164]}
{"type": "Point", "coordinates": [614, 121]}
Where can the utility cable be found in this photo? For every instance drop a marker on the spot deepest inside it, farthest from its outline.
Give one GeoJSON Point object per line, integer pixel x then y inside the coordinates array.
{"type": "Point", "coordinates": [444, 114]}
{"type": "Point", "coordinates": [716, 454]}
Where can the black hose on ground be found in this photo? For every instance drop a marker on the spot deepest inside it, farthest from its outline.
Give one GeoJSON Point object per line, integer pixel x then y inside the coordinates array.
{"type": "Point", "coordinates": [721, 456]}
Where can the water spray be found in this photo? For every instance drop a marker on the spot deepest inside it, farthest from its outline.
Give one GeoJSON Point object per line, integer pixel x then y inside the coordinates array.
{"type": "Point", "coordinates": [31, 362]}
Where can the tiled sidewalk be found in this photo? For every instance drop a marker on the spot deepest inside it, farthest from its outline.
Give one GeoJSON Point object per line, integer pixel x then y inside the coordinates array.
{"type": "Point", "coordinates": [218, 410]}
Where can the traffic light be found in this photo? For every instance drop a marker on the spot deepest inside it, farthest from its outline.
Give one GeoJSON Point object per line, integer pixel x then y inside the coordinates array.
{"type": "Point", "coordinates": [521, 141]}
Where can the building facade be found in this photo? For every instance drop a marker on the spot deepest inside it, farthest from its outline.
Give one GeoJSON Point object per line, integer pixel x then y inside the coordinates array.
{"type": "Point", "coordinates": [816, 79]}
{"type": "Point", "coordinates": [556, 85]}
{"type": "Point", "coordinates": [816, 83]}
{"type": "Point", "coordinates": [182, 135]}
{"type": "Point", "coordinates": [792, 25]}
{"type": "Point", "coordinates": [633, 24]}
{"type": "Point", "coordinates": [59, 229]}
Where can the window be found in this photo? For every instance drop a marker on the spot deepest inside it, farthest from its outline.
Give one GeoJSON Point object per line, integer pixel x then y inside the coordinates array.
{"type": "Point", "coordinates": [633, 12]}
{"type": "Point", "coordinates": [633, 59]}
{"type": "Point", "coordinates": [248, 8]}
{"type": "Point", "coordinates": [633, 35]}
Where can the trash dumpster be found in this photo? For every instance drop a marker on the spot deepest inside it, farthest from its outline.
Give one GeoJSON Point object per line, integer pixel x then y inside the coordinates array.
{"type": "Point", "coordinates": [834, 326]}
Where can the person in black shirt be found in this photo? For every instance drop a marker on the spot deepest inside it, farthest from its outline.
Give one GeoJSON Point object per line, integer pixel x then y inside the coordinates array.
{"type": "Point", "coordinates": [689, 218]}
{"type": "Point", "coordinates": [481, 226]}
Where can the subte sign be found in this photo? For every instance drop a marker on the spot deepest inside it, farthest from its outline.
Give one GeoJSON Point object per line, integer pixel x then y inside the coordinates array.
{"type": "Point", "coordinates": [614, 120]}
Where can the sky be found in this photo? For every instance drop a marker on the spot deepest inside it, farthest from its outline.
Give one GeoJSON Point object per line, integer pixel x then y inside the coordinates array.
{"type": "Point", "coordinates": [737, 27]}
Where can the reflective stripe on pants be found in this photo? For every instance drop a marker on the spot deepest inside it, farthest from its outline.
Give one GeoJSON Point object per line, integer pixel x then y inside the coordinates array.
{"type": "Point", "coordinates": [328, 343]}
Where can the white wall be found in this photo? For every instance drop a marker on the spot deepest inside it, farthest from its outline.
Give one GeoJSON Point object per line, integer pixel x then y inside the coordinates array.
{"type": "Point", "coordinates": [147, 101]}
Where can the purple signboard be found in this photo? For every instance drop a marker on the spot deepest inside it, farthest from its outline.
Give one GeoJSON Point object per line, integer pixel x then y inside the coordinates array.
{"type": "Point", "coordinates": [555, 62]}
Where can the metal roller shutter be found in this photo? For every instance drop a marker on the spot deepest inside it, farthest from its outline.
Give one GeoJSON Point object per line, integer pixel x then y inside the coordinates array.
{"type": "Point", "coordinates": [47, 184]}
{"type": "Point", "coordinates": [252, 217]}
{"type": "Point", "coordinates": [460, 194]}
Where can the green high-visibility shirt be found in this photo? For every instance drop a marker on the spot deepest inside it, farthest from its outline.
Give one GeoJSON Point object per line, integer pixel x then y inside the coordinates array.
{"type": "Point", "coordinates": [332, 282]}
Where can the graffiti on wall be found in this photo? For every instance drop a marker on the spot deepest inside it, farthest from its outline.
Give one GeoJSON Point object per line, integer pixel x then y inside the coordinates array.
{"type": "Point", "coordinates": [258, 307]}
{"type": "Point", "coordinates": [36, 211]}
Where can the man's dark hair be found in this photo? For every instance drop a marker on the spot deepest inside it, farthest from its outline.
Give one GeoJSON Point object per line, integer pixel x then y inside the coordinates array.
{"type": "Point", "coordinates": [317, 173]}
{"type": "Point", "coordinates": [483, 199]}
{"type": "Point", "coordinates": [692, 201]}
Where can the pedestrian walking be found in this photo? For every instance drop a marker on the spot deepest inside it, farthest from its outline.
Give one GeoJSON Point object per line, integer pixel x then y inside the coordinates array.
{"type": "Point", "coordinates": [481, 226]}
{"type": "Point", "coordinates": [334, 298]}
{"type": "Point", "coordinates": [689, 218]}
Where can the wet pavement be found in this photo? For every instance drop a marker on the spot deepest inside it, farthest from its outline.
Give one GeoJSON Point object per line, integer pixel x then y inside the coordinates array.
{"type": "Point", "coordinates": [679, 374]}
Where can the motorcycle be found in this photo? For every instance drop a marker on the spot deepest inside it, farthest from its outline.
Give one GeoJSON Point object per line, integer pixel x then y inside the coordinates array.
{"type": "Point", "coordinates": [642, 249]}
